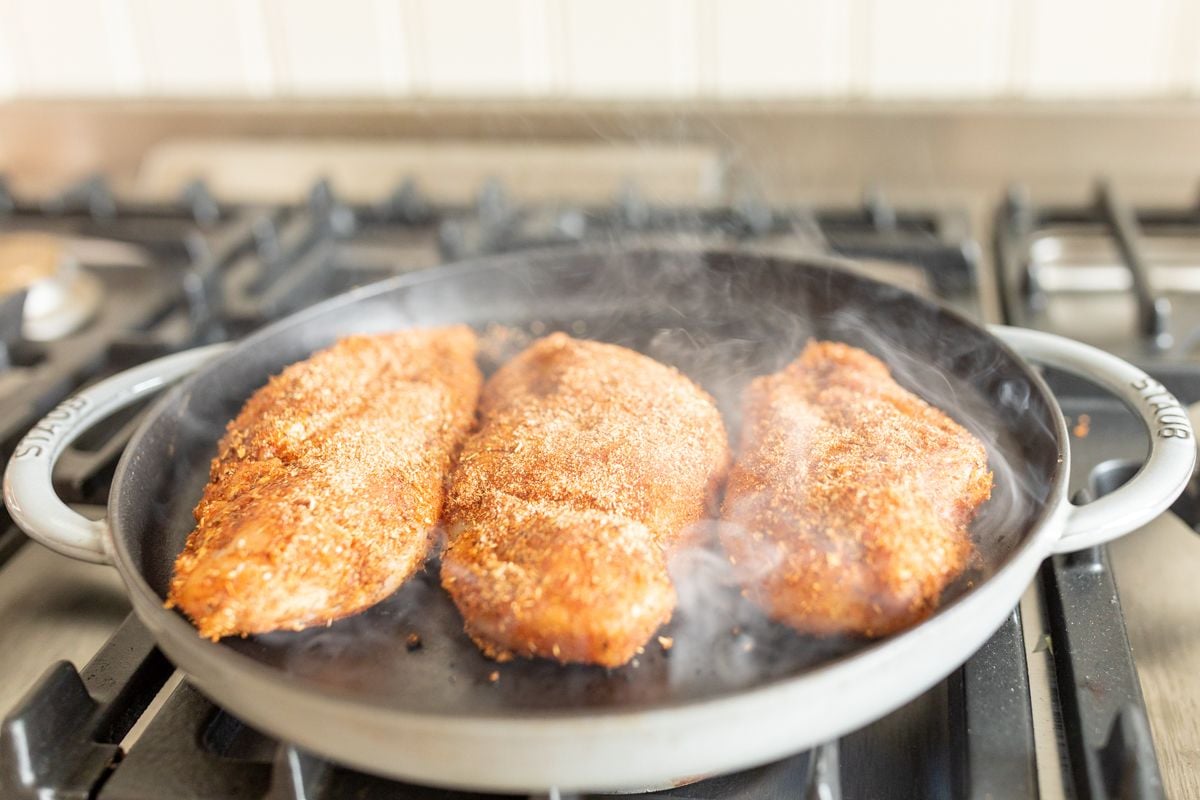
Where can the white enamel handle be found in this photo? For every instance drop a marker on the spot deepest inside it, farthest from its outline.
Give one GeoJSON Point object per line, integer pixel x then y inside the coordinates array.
{"type": "Point", "coordinates": [1172, 442]}
{"type": "Point", "coordinates": [28, 490]}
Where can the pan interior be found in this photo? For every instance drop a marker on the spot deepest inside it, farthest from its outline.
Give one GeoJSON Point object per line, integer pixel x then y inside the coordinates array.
{"type": "Point", "coordinates": [720, 317]}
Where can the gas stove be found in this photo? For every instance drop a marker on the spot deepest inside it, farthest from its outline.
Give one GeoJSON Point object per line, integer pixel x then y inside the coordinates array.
{"type": "Point", "coordinates": [1051, 705]}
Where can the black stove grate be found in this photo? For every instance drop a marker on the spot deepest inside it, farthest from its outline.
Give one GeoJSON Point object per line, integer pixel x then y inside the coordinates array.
{"type": "Point", "coordinates": [1142, 255]}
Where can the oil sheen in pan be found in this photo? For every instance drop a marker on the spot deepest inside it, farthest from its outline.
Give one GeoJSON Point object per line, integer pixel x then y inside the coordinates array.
{"type": "Point", "coordinates": [717, 642]}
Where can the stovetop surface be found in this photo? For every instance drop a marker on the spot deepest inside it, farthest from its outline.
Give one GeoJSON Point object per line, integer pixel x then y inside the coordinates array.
{"type": "Point", "coordinates": [220, 271]}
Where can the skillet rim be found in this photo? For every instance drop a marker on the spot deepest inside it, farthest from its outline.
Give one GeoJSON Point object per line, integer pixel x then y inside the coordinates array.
{"type": "Point", "coordinates": [170, 623]}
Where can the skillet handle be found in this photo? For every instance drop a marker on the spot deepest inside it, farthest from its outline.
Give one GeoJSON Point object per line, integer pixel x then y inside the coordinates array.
{"type": "Point", "coordinates": [1172, 441]}
{"type": "Point", "coordinates": [28, 490]}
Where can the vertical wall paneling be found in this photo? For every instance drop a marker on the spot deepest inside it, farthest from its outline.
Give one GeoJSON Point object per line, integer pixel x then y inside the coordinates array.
{"type": "Point", "coordinates": [129, 74]}
{"type": "Point", "coordinates": [254, 40]}
{"type": "Point", "coordinates": [40, 38]}
{"type": "Point", "coordinates": [764, 48]}
{"type": "Point", "coordinates": [684, 48]}
{"type": "Point", "coordinates": [1081, 48]}
{"type": "Point", "coordinates": [192, 47]}
{"type": "Point", "coordinates": [860, 57]}
{"type": "Point", "coordinates": [1017, 80]}
{"type": "Point", "coordinates": [413, 18]}
{"type": "Point", "coordinates": [475, 48]}
{"type": "Point", "coordinates": [1183, 69]}
{"type": "Point", "coordinates": [938, 48]}
{"type": "Point", "coordinates": [10, 82]}
{"type": "Point", "coordinates": [556, 45]}
{"type": "Point", "coordinates": [707, 47]}
{"type": "Point", "coordinates": [328, 48]}
{"type": "Point", "coordinates": [536, 22]}
{"type": "Point", "coordinates": [393, 47]}
{"type": "Point", "coordinates": [1193, 61]}
{"type": "Point", "coordinates": [612, 49]}
{"type": "Point", "coordinates": [631, 48]}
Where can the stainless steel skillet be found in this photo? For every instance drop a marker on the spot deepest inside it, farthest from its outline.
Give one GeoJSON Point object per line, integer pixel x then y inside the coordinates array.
{"type": "Point", "coordinates": [734, 690]}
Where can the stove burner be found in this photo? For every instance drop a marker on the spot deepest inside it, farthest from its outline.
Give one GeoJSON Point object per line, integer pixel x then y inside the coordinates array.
{"type": "Point", "coordinates": [60, 306]}
{"type": "Point", "coordinates": [60, 298]}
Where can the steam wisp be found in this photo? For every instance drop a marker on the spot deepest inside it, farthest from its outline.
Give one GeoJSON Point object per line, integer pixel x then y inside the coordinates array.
{"type": "Point", "coordinates": [722, 327]}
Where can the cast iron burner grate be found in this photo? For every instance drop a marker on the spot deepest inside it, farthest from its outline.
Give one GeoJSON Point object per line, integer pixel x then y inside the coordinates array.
{"type": "Point", "coordinates": [126, 728]}
{"type": "Point", "coordinates": [1121, 276]}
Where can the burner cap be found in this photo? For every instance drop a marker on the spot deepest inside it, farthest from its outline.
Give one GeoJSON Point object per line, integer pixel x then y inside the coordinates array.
{"type": "Point", "coordinates": [60, 296]}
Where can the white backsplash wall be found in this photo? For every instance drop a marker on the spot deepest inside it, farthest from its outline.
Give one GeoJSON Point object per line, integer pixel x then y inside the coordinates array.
{"type": "Point", "coordinates": [643, 49]}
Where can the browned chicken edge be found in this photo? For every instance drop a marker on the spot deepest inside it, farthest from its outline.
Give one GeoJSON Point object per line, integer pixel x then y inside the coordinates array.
{"type": "Point", "coordinates": [328, 484]}
{"type": "Point", "coordinates": [848, 507]}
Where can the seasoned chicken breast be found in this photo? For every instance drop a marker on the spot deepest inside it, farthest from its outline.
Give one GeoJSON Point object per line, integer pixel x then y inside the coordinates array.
{"type": "Point", "coordinates": [590, 463]}
{"type": "Point", "coordinates": [847, 508]}
{"type": "Point", "coordinates": [327, 486]}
